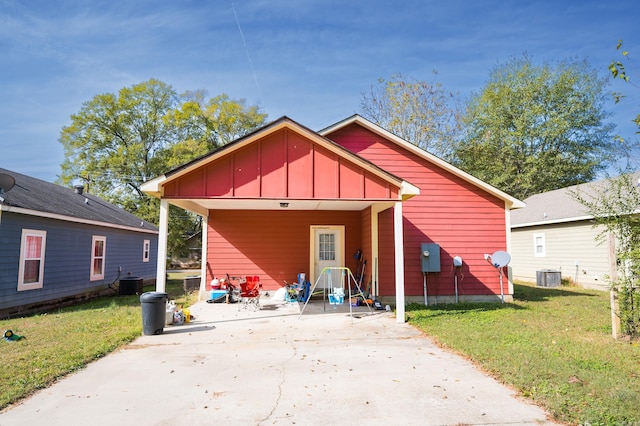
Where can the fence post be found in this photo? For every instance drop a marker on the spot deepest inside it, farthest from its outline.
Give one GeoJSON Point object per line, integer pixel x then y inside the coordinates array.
{"type": "Point", "coordinates": [615, 317]}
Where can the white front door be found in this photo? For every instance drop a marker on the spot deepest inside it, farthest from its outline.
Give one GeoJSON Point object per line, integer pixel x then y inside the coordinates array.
{"type": "Point", "coordinates": [327, 251]}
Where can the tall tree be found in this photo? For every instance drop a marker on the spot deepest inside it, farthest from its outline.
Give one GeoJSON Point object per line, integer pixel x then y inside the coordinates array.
{"type": "Point", "coordinates": [116, 142]}
{"type": "Point", "coordinates": [535, 128]}
{"type": "Point", "coordinates": [420, 112]}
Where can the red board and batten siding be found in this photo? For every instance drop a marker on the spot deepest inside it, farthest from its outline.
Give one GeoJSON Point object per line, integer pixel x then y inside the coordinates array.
{"type": "Point", "coordinates": [465, 220]}
{"type": "Point", "coordinates": [284, 164]}
{"type": "Point", "coordinates": [271, 244]}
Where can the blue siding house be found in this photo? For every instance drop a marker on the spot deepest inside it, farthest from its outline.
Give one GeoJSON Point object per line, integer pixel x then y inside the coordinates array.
{"type": "Point", "coordinates": [59, 245]}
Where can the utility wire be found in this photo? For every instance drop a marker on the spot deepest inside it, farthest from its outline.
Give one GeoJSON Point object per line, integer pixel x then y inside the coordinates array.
{"type": "Point", "coordinates": [246, 49]}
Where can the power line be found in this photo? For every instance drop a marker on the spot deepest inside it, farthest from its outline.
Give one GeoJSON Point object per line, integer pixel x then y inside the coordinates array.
{"type": "Point", "coordinates": [246, 49]}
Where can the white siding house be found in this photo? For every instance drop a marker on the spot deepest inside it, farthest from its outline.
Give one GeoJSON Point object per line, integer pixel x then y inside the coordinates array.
{"type": "Point", "coordinates": [555, 232]}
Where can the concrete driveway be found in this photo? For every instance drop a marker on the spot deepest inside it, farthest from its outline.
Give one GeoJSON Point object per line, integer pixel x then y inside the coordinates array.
{"type": "Point", "coordinates": [272, 367]}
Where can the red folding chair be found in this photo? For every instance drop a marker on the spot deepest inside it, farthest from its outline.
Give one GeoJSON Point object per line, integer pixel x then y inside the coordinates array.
{"type": "Point", "coordinates": [250, 293]}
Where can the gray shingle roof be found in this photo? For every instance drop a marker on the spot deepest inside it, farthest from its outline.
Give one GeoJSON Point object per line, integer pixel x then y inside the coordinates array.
{"type": "Point", "coordinates": [556, 206]}
{"type": "Point", "coordinates": [38, 195]}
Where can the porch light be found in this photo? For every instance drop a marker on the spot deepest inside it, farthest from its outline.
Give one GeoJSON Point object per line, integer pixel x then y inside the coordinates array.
{"type": "Point", "coordinates": [284, 205]}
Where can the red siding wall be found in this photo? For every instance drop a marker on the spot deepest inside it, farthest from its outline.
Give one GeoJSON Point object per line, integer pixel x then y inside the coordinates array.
{"type": "Point", "coordinates": [281, 165]}
{"type": "Point", "coordinates": [271, 244]}
{"type": "Point", "coordinates": [463, 219]}
{"type": "Point", "coordinates": [386, 253]}
{"type": "Point", "coordinates": [365, 246]}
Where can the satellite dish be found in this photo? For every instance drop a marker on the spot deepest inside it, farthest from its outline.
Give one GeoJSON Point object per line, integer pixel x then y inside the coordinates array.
{"type": "Point", "coordinates": [500, 259]}
{"type": "Point", "coordinates": [6, 182]}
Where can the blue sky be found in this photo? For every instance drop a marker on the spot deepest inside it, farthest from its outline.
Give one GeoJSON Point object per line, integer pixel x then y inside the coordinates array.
{"type": "Point", "coordinates": [308, 59]}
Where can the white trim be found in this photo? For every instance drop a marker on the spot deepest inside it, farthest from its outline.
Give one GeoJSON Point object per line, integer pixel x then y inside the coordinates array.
{"type": "Point", "coordinates": [543, 245]}
{"type": "Point", "coordinates": [511, 202]}
{"type": "Point", "coordinates": [161, 267]}
{"type": "Point", "coordinates": [154, 187]}
{"type": "Point", "coordinates": [20, 210]}
{"type": "Point", "coordinates": [26, 233]}
{"type": "Point", "coordinates": [204, 255]}
{"type": "Point", "coordinates": [507, 221]}
{"type": "Point", "coordinates": [553, 222]}
{"type": "Point", "coordinates": [399, 261]}
{"type": "Point", "coordinates": [312, 247]}
{"type": "Point", "coordinates": [93, 276]}
{"type": "Point", "coordinates": [146, 251]}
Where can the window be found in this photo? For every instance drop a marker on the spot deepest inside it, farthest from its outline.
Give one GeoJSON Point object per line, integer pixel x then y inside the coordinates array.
{"type": "Point", "coordinates": [31, 268]}
{"type": "Point", "coordinates": [539, 249]}
{"type": "Point", "coordinates": [98, 244]}
{"type": "Point", "coordinates": [327, 247]}
{"type": "Point", "coordinates": [145, 250]}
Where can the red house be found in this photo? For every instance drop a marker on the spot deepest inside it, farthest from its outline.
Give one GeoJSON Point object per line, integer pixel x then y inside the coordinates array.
{"type": "Point", "coordinates": [285, 199]}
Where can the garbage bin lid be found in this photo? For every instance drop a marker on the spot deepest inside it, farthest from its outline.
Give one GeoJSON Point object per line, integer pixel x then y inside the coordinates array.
{"type": "Point", "coordinates": [153, 296]}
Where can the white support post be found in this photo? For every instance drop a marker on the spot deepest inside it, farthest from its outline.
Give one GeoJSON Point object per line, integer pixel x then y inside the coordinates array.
{"type": "Point", "coordinates": [399, 261]}
{"type": "Point", "coordinates": [161, 269]}
{"type": "Point", "coordinates": [507, 222]}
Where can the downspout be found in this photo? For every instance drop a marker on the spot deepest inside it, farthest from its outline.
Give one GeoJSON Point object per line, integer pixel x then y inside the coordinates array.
{"type": "Point", "coordinates": [399, 261]}
{"type": "Point", "coordinates": [161, 271]}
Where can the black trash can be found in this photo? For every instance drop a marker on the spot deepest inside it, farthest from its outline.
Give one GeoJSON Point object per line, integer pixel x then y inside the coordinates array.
{"type": "Point", "coordinates": [154, 306]}
{"type": "Point", "coordinates": [130, 285]}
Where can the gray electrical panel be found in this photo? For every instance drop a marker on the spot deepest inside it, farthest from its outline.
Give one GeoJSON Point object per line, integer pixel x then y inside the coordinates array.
{"type": "Point", "coordinates": [430, 257]}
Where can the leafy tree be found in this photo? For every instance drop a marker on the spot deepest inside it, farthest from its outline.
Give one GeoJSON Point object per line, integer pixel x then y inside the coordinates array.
{"type": "Point", "coordinates": [116, 142]}
{"type": "Point", "coordinates": [536, 128]}
{"type": "Point", "coordinates": [619, 70]}
{"type": "Point", "coordinates": [614, 206]}
{"type": "Point", "coordinates": [420, 112]}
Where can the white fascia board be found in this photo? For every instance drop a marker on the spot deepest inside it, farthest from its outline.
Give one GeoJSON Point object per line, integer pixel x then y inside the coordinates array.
{"type": "Point", "coordinates": [511, 202]}
{"type": "Point", "coordinates": [20, 210]}
{"type": "Point", "coordinates": [553, 222]}
{"type": "Point", "coordinates": [408, 190]}
{"type": "Point", "coordinates": [152, 187]}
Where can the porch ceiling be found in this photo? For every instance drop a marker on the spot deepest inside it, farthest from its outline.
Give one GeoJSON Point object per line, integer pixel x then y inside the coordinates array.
{"type": "Point", "coordinates": [202, 206]}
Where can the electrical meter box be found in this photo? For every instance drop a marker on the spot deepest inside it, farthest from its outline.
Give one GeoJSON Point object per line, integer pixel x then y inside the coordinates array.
{"type": "Point", "coordinates": [430, 257]}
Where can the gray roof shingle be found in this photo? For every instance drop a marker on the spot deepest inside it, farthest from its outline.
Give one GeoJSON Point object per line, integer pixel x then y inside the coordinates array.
{"type": "Point", "coordinates": [557, 206]}
{"type": "Point", "coordinates": [38, 195]}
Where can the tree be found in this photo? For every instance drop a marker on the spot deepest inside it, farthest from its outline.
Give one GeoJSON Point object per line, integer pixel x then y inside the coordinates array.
{"type": "Point", "coordinates": [614, 207]}
{"type": "Point", "coordinates": [117, 142]}
{"type": "Point", "coordinates": [535, 128]}
{"type": "Point", "coordinates": [420, 112]}
{"type": "Point", "coordinates": [619, 70]}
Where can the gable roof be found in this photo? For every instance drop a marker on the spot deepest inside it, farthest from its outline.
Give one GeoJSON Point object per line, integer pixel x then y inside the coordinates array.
{"type": "Point", "coordinates": [511, 202]}
{"type": "Point", "coordinates": [557, 206]}
{"type": "Point", "coordinates": [154, 186]}
{"type": "Point", "coordinates": [40, 198]}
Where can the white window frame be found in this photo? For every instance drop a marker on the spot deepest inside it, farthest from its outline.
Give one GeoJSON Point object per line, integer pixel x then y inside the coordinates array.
{"type": "Point", "coordinates": [146, 250]}
{"type": "Point", "coordinates": [542, 245]}
{"type": "Point", "coordinates": [93, 276]}
{"type": "Point", "coordinates": [23, 258]}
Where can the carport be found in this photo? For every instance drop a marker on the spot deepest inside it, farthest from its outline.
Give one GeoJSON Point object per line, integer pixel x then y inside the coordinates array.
{"type": "Point", "coordinates": [277, 199]}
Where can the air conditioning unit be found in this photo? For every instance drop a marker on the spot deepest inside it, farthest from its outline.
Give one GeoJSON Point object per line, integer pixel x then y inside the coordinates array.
{"type": "Point", "coordinates": [548, 278]}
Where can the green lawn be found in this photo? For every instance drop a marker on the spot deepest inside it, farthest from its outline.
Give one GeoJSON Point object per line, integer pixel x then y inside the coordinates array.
{"type": "Point", "coordinates": [60, 342]}
{"type": "Point", "coordinates": [553, 345]}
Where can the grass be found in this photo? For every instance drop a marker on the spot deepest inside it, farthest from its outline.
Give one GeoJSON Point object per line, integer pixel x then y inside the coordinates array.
{"type": "Point", "coordinates": [553, 345]}
{"type": "Point", "coordinates": [61, 342]}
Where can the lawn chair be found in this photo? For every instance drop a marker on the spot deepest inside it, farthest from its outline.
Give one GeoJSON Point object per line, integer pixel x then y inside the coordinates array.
{"type": "Point", "coordinates": [250, 293]}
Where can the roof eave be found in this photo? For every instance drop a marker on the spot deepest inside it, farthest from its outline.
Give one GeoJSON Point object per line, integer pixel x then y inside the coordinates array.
{"type": "Point", "coordinates": [154, 186]}
{"type": "Point", "coordinates": [511, 202]}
